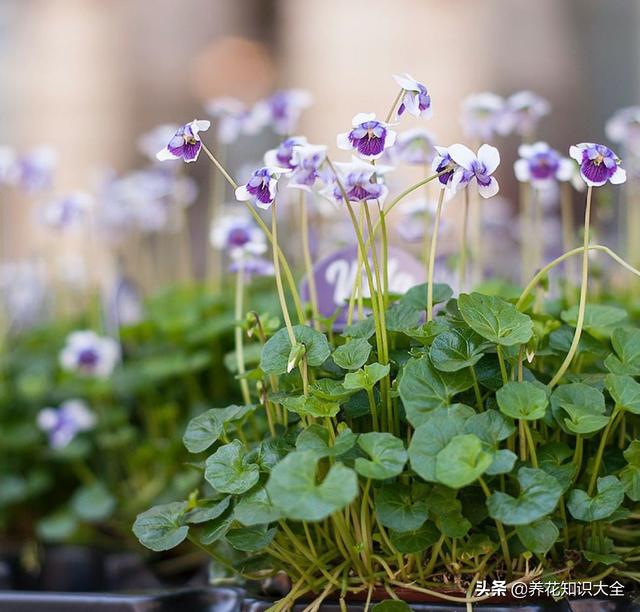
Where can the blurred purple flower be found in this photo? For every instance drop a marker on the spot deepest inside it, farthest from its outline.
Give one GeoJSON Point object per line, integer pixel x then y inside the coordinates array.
{"type": "Point", "coordinates": [416, 101]}
{"type": "Point", "coordinates": [34, 171]}
{"type": "Point", "coordinates": [522, 113]}
{"type": "Point", "coordinates": [281, 157]}
{"type": "Point", "coordinates": [415, 147]}
{"type": "Point", "coordinates": [186, 143]}
{"type": "Point", "coordinates": [155, 139]}
{"type": "Point", "coordinates": [369, 137]}
{"type": "Point", "coordinates": [67, 212]}
{"type": "Point", "coordinates": [63, 424]}
{"type": "Point", "coordinates": [624, 129]}
{"type": "Point", "coordinates": [262, 187]}
{"type": "Point", "coordinates": [598, 164]}
{"type": "Point", "coordinates": [237, 234]}
{"type": "Point", "coordinates": [481, 115]}
{"type": "Point", "coordinates": [307, 161]}
{"type": "Point", "coordinates": [539, 165]}
{"type": "Point", "coordinates": [232, 118]}
{"type": "Point", "coordinates": [252, 266]}
{"type": "Point", "coordinates": [89, 354]}
{"type": "Point", "coordinates": [362, 182]}
{"type": "Point", "coordinates": [281, 111]}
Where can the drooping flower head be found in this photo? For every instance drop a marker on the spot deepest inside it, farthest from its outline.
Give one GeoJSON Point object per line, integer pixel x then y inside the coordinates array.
{"type": "Point", "coordinates": [598, 164]}
{"type": "Point", "coordinates": [155, 139]}
{"type": "Point", "coordinates": [66, 212]}
{"type": "Point", "coordinates": [307, 162]}
{"type": "Point", "coordinates": [281, 157]}
{"type": "Point", "coordinates": [63, 424]}
{"type": "Point", "coordinates": [186, 143]}
{"type": "Point", "coordinates": [481, 115]}
{"type": "Point", "coordinates": [237, 234]}
{"type": "Point", "coordinates": [89, 354]}
{"type": "Point", "coordinates": [34, 171]}
{"type": "Point", "coordinates": [369, 137]}
{"type": "Point", "coordinates": [262, 187]}
{"type": "Point", "coordinates": [522, 113]}
{"type": "Point", "coordinates": [281, 111]}
{"type": "Point", "coordinates": [415, 147]}
{"type": "Point", "coordinates": [478, 167]}
{"type": "Point", "coordinates": [232, 118]}
{"type": "Point", "coordinates": [362, 182]}
{"type": "Point", "coordinates": [541, 165]}
{"type": "Point", "coordinates": [624, 129]}
{"type": "Point", "coordinates": [415, 100]}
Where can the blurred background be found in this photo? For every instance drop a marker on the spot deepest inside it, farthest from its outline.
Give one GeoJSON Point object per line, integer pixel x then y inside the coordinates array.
{"type": "Point", "coordinates": [87, 78]}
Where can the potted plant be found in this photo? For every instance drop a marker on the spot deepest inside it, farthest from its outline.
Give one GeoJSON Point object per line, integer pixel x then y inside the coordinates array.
{"type": "Point", "coordinates": [435, 448]}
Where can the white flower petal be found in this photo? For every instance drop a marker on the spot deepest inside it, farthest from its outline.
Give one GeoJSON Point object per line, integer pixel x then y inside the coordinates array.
{"type": "Point", "coordinates": [521, 170]}
{"type": "Point", "coordinates": [619, 176]}
{"type": "Point", "coordinates": [490, 157]}
{"type": "Point", "coordinates": [362, 118]}
{"type": "Point", "coordinates": [165, 155]}
{"type": "Point", "coordinates": [462, 155]}
{"type": "Point", "coordinates": [487, 191]}
{"type": "Point", "coordinates": [343, 141]}
{"type": "Point", "coordinates": [242, 195]}
{"type": "Point", "coordinates": [406, 81]}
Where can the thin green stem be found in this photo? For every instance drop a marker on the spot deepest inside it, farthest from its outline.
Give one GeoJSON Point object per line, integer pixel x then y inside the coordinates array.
{"type": "Point", "coordinates": [276, 268]}
{"type": "Point", "coordinates": [432, 256]}
{"type": "Point", "coordinates": [583, 296]}
{"type": "Point", "coordinates": [476, 388]}
{"type": "Point", "coordinates": [463, 243]}
{"type": "Point", "coordinates": [617, 411]}
{"type": "Point", "coordinates": [503, 367]}
{"type": "Point", "coordinates": [501, 533]}
{"type": "Point", "coordinates": [239, 341]}
{"type": "Point", "coordinates": [308, 263]}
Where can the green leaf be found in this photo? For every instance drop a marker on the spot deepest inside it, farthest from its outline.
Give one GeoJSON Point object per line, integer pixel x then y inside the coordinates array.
{"type": "Point", "coordinates": [522, 400]}
{"type": "Point", "coordinates": [584, 406]}
{"type": "Point", "coordinates": [625, 392]}
{"type": "Point", "coordinates": [494, 319]}
{"type": "Point", "coordinates": [310, 405]}
{"type": "Point", "coordinates": [446, 509]}
{"type": "Point", "coordinates": [391, 605]}
{"type": "Point", "coordinates": [626, 344]}
{"type": "Point", "coordinates": [425, 334]}
{"type": "Point", "coordinates": [430, 438]}
{"type": "Point", "coordinates": [457, 349]}
{"type": "Point", "coordinates": [538, 537]}
{"type": "Point", "coordinates": [93, 503]}
{"type": "Point", "coordinates": [599, 319]}
{"type": "Point", "coordinates": [316, 438]}
{"type": "Point", "coordinates": [539, 495]}
{"type": "Point", "coordinates": [606, 501]}
{"type": "Point", "coordinates": [294, 489]}
{"type": "Point", "coordinates": [423, 388]}
{"type": "Point", "coordinates": [207, 510]}
{"type": "Point", "coordinates": [203, 431]}
{"type": "Point", "coordinates": [330, 390]}
{"type": "Point", "coordinates": [503, 462]}
{"type": "Point", "coordinates": [229, 471]}
{"type": "Point", "coordinates": [161, 527]}
{"type": "Point", "coordinates": [387, 455]}
{"type": "Point", "coordinates": [217, 528]}
{"type": "Point", "coordinates": [409, 542]}
{"type": "Point", "coordinates": [361, 329]}
{"type": "Point", "coordinates": [630, 474]}
{"type": "Point", "coordinates": [251, 539]}
{"type": "Point", "coordinates": [400, 507]}
{"type": "Point", "coordinates": [366, 378]}
{"type": "Point", "coordinates": [57, 527]}
{"type": "Point", "coordinates": [353, 354]}
{"type": "Point", "coordinates": [416, 297]}
{"type": "Point", "coordinates": [276, 351]}
{"type": "Point", "coordinates": [490, 426]}
{"type": "Point", "coordinates": [403, 316]}
{"type": "Point", "coordinates": [256, 508]}
{"type": "Point", "coordinates": [462, 461]}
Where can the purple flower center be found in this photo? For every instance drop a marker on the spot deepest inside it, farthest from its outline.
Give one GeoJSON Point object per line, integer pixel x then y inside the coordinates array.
{"type": "Point", "coordinates": [238, 237]}
{"type": "Point", "coordinates": [258, 186]}
{"type": "Point", "coordinates": [544, 165]}
{"type": "Point", "coordinates": [446, 163]}
{"type": "Point", "coordinates": [88, 358]}
{"type": "Point", "coordinates": [368, 138]}
{"type": "Point", "coordinates": [599, 163]}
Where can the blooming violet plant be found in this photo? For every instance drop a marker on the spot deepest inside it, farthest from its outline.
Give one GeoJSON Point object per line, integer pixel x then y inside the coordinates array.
{"type": "Point", "coordinates": [428, 445]}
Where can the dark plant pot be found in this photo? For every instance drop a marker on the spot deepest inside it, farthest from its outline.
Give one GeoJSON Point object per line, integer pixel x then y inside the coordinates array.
{"type": "Point", "coordinates": [183, 600]}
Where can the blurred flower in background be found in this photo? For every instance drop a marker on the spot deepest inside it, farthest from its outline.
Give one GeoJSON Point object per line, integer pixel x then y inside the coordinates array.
{"type": "Point", "coordinates": [63, 424]}
{"type": "Point", "coordinates": [89, 354]}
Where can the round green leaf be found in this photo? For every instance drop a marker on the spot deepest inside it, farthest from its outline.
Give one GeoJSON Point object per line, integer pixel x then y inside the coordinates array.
{"type": "Point", "coordinates": [599, 319]}
{"type": "Point", "coordinates": [401, 507]}
{"type": "Point", "coordinates": [538, 537]}
{"type": "Point", "coordinates": [251, 539]}
{"type": "Point", "coordinates": [387, 455]}
{"type": "Point", "coordinates": [462, 461]}
{"type": "Point", "coordinates": [311, 405]}
{"type": "Point", "coordinates": [494, 319]}
{"type": "Point", "coordinates": [490, 426]}
{"type": "Point", "coordinates": [606, 501]}
{"type": "Point", "coordinates": [161, 527]}
{"type": "Point", "coordinates": [416, 297]}
{"type": "Point", "coordinates": [202, 431]}
{"type": "Point", "coordinates": [626, 344]}
{"type": "Point", "coordinates": [93, 503]}
{"type": "Point", "coordinates": [57, 527]}
{"type": "Point", "coordinates": [366, 378]}
{"type": "Point", "coordinates": [579, 408]}
{"type": "Point", "coordinates": [256, 508]}
{"type": "Point", "coordinates": [353, 354]}
{"type": "Point", "coordinates": [293, 487]}
{"type": "Point", "coordinates": [276, 351]}
{"type": "Point", "coordinates": [229, 471]}
{"type": "Point", "coordinates": [539, 495]}
{"type": "Point", "coordinates": [409, 542]}
{"type": "Point", "coordinates": [456, 349]}
{"type": "Point", "coordinates": [522, 400]}
{"type": "Point", "coordinates": [625, 392]}
{"type": "Point", "coordinates": [630, 474]}
{"type": "Point", "coordinates": [207, 510]}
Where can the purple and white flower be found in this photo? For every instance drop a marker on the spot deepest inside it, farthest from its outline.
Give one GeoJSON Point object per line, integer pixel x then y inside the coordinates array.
{"type": "Point", "coordinates": [522, 113]}
{"type": "Point", "coordinates": [478, 167]}
{"type": "Point", "coordinates": [89, 354]}
{"type": "Point", "coordinates": [481, 115]}
{"type": "Point", "coordinates": [186, 143]}
{"type": "Point", "coordinates": [262, 187]}
{"type": "Point", "coordinates": [282, 156]}
{"type": "Point", "coordinates": [415, 147]}
{"type": "Point", "coordinates": [307, 161]}
{"type": "Point", "coordinates": [362, 182]}
{"type": "Point", "coordinates": [155, 139]}
{"type": "Point", "coordinates": [34, 171]}
{"type": "Point", "coordinates": [444, 165]}
{"type": "Point", "coordinates": [415, 100]}
{"type": "Point", "coordinates": [624, 129]}
{"type": "Point", "coordinates": [237, 234]}
{"type": "Point", "coordinates": [252, 266]}
{"type": "Point", "coordinates": [281, 111]}
{"type": "Point", "coordinates": [598, 164]}
{"type": "Point", "coordinates": [541, 165]}
{"type": "Point", "coordinates": [63, 424]}
{"type": "Point", "coordinates": [232, 118]}
{"type": "Point", "coordinates": [369, 137]}
{"type": "Point", "coordinates": [67, 212]}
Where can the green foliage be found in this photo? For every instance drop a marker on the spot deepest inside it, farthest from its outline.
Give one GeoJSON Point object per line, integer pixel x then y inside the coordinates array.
{"type": "Point", "coordinates": [276, 351]}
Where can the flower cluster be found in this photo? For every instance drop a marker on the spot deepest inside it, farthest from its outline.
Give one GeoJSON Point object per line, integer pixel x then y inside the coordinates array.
{"type": "Point", "coordinates": [89, 354]}
{"type": "Point", "coordinates": [66, 212]}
